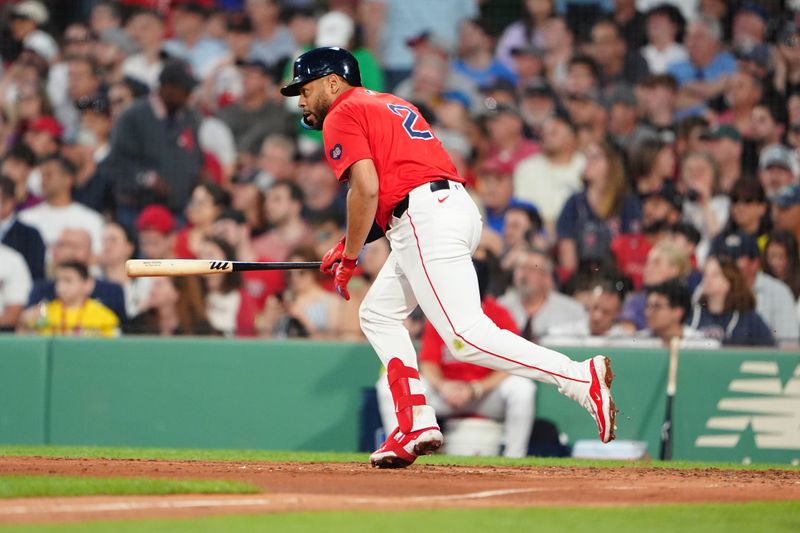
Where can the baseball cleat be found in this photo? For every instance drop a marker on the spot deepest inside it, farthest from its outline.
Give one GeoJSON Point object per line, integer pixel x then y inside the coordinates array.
{"type": "Point", "coordinates": [400, 450]}
{"type": "Point", "coordinates": [600, 402]}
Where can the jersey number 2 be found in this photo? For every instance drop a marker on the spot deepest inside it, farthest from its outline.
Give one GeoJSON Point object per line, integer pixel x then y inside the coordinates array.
{"type": "Point", "coordinates": [410, 119]}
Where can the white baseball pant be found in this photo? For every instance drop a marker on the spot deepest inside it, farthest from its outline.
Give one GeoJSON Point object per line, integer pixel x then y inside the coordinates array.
{"type": "Point", "coordinates": [430, 264]}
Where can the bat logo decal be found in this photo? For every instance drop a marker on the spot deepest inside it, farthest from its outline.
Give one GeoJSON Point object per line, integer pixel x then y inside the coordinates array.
{"type": "Point", "coordinates": [219, 265]}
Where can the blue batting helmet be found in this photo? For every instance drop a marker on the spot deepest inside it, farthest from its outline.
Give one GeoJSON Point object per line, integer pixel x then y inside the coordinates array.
{"type": "Point", "coordinates": [321, 62]}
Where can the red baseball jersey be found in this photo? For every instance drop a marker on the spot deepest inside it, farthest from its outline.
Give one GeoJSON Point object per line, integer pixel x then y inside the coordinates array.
{"type": "Point", "coordinates": [364, 124]}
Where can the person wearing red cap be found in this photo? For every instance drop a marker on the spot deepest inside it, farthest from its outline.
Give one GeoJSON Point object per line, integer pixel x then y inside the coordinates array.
{"type": "Point", "coordinates": [156, 227]}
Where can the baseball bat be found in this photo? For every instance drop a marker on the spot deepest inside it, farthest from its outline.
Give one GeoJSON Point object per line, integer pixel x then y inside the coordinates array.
{"type": "Point", "coordinates": [139, 268]}
{"type": "Point", "coordinates": [672, 386]}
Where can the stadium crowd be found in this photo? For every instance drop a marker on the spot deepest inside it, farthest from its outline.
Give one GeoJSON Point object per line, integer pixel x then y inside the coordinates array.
{"type": "Point", "coordinates": [636, 162]}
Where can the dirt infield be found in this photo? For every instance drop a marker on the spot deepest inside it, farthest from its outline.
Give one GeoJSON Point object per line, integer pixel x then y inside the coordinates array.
{"type": "Point", "coordinates": [352, 486]}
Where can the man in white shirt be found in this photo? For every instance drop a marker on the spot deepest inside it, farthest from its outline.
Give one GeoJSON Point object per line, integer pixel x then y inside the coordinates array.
{"type": "Point", "coordinates": [534, 303]}
{"type": "Point", "coordinates": [15, 285]}
{"type": "Point", "coordinates": [59, 210]}
{"type": "Point", "coordinates": [549, 178]}
{"type": "Point", "coordinates": [601, 324]}
{"type": "Point", "coordinates": [147, 30]}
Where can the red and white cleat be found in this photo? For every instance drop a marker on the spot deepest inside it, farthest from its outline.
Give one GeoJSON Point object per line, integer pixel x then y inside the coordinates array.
{"type": "Point", "coordinates": [600, 402]}
{"type": "Point", "coordinates": [400, 450]}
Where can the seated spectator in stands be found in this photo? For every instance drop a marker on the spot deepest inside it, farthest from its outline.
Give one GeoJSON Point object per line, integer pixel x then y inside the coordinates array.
{"type": "Point", "coordinates": [273, 40]}
{"type": "Point", "coordinates": [190, 42]}
{"type": "Point", "coordinates": [527, 31]}
{"type": "Point", "coordinates": [592, 218]}
{"type": "Point", "coordinates": [664, 23]}
{"type": "Point", "coordinates": [689, 135]}
{"type": "Point", "coordinates": [726, 147]}
{"type": "Point", "coordinates": [59, 211]}
{"type": "Point", "coordinates": [665, 261]}
{"type": "Point", "coordinates": [777, 168]}
{"type": "Point", "coordinates": [589, 112]}
{"type": "Point", "coordinates": [582, 76]}
{"type": "Point", "coordinates": [618, 65]}
{"type": "Point", "coordinates": [528, 65]}
{"type": "Point", "coordinates": [686, 237]}
{"type": "Point", "coordinates": [786, 210]}
{"type": "Point", "coordinates": [475, 57]}
{"type": "Point", "coordinates": [706, 208]}
{"type": "Point", "coordinates": [305, 309]}
{"type": "Point", "coordinates": [549, 178]}
{"type": "Point", "coordinates": [457, 389]}
{"type": "Point", "coordinates": [230, 309]}
{"type": "Point", "coordinates": [207, 202]}
{"type": "Point", "coordinates": [657, 96]}
{"type": "Point", "coordinates": [703, 75]}
{"type": "Point", "coordinates": [155, 226]}
{"type": "Point", "coordinates": [507, 144]}
{"type": "Point", "coordinates": [322, 192]}
{"type": "Point", "coordinates": [775, 302]}
{"type": "Point", "coordinates": [15, 285]}
{"type": "Point", "coordinates": [496, 192]}
{"type": "Point", "coordinates": [23, 238]}
{"type": "Point", "coordinates": [768, 125]}
{"type": "Point", "coordinates": [73, 312]}
{"type": "Point", "coordinates": [283, 208]}
{"type": "Point", "coordinates": [146, 28]}
{"type": "Point", "coordinates": [782, 261]}
{"type": "Point", "coordinates": [743, 91]}
{"type": "Point", "coordinates": [231, 226]}
{"type": "Point", "coordinates": [624, 127]}
{"type": "Point", "coordinates": [668, 306]}
{"type": "Point", "coordinates": [74, 245]}
{"type": "Point", "coordinates": [521, 229]}
{"type": "Point", "coordinates": [18, 164]}
{"type": "Point", "coordinates": [749, 211]}
{"type": "Point", "coordinates": [537, 103]}
{"type": "Point", "coordinates": [247, 197]}
{"type": "Point", "coordinates": [256, 115]}
{"type": "Point", "coordinates": [119, 245]}
{"type": "Point", "coordinates": [605, 305]}
{"type": "Point", "coordinates": [726, 310]}
{"type": "Point", "coordinates": [122, 94]}
{"type": "Point", "coordinates": [175, 306]}
{"type": "Point", "coordinates": [94, 184]}
{"type": "Point", "coordinates": [43, 136]}
{"type": "Point", "coordinates": [533, 301]}
{"type": "Point", "coordinates": [276, 160]}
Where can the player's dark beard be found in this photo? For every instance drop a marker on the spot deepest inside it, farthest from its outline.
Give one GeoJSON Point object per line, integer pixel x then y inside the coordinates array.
{"type": "Point", "coordinates": [319, 113]}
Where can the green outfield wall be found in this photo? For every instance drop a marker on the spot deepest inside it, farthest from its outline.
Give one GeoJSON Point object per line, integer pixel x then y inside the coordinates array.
{"type": "Point", "coordinates": [296, 395]}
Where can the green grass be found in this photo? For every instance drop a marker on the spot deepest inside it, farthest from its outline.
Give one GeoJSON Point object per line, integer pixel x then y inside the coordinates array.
{"type": "Point", "coordinates": [772, 517]}
{"type": "Point", "coordinates": [330, 457]}
{"type": "Point", "coordinates": [26, 486]}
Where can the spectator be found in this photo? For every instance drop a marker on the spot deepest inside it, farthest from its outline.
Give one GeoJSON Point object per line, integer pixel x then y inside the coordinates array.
{"type": "Point", "coordinates": [255, 115]}
{"type": "Point", "coordinates": [533, 301]}
{"type": "Point", "coordinates": [223, 84]}
{"type": "Point", "coordinates": [782, 261]}
{"type": "Point", "coordinates": [83, 82]}
{"type": "Point", "coordinates": [668, 305]}
{"type": "Point", "coordinates": [175, 306]}
{"type": "Point", "coordinates": [582, 76]}
{"type": "Point", "coordinates": [604, 308]}
{"type": "Point", "coordinates": [208, 201]}
{"type": "Point", "coordinates": [59, 211]}
{"type": "Point", "coordinates": [74, 245]}
{"type": "Point", "coordinates": [726, 311]}
{"type": "Point", "coordinates": [247, 196]}
{"type": "Point", "coordinates": [457, 389]}
{"type": "Point", "coordinates": [190, 42]}
{"type": "Point", "coordinates": [592, 218]}
{"type": "Point", "coordinates": [706, 207]}
{"type": "Point", "coordinates": [777, 169]}
{"type": "Point", "coordinates": [27, 17]}
{"type": "Point", "coordinates": [94, 186]}
{"type": "Point", "coordinates": [749, 211]}
{"type": "Point", "coordinates": [768, 124]}
{"type": "Point", "coordinates": [119, 245]}
{"type": "Point", "coordinates": [121, 95]}
{"type": "Point", "coordinates": [15, 284]}
{"type": "Point", "coordinates": [496, 191]}
{"type": "Point", "coordinates": [521, 230]}
{"type": "Point", "coordinates": [73, 312]}
{"type": "Point", "coordinates": [154, 147]}
{"type": "Point", "coordinates": [624, 128]}
{"type": "Point", "coordinates": [665, 261]}
{"type": "Point", "coordinates": [742, 94]}
{"type": "Point", "coordinates": [337, 28]}
{"type": "Point", "coordinates": [561, 163]}
{"type": "Point", "coordinates": [147, 29]}
{"type": "Point", "coordinates": [537, 104]}
{"type": "Point", "coordinates": [618, 65]}
{"type": "Point", "coordinates": [475, 57]}
{"type": "Point", "coordinates": [703, 76]}
{"type": "Point", "coordinates": [786, 78]}
{"type": "Point", "coordinates": [525, 32]}
{"type": "Point", "coordinates": [156, 227]}
{"type": "Point", "coordinates": [18, 165]}
{"type": "Point", "coordinates": [20, 237]}
{"type": "Point", "coordinates": [276, 160]}
{"type": "Point", "coordinates": [774, 301]}
{"type": "Point", "coordinates": [231, 226]}
{"type": "Point", "coordinates": [749, 25]}
{"type": "Point", "coordinates": [273, 40]}
{"type": "Point", "coordinates": [528, 65]}
{"type": "Point", "coordinates": [43, 137]}
{"type": "Point", "coordinates": [283, 208]}
{"type": "Point", "coordinates": [657, 98]}
{"type": "Point", "coordinates": [664, 23]}
{"type": "Point", "coordinates": [229, 307]}
{"type": "Point", "coordinates": [652, 164]}
{"type": "Point", "coordinates": [725, 146]}
{"type": "Point", "coordinates": [559, 43]}
{"type": "Point", "coordinates": [321, 191]}
{"type": "Point", "coordinates": [507, 144]}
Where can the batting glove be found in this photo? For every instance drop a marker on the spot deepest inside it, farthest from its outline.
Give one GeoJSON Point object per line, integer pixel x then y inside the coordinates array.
{"type": "Point", "coordinates": [333, 256]}
{"type": "Point", "coordinates": [343, 274]}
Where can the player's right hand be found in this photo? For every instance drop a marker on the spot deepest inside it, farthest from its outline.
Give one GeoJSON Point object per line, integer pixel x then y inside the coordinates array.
{"type": "Point", "coordinates": [333, 256]}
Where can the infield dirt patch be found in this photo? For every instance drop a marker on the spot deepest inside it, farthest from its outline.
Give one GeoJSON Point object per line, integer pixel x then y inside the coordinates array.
{"type": "Point", "coordinates": [353, 486]}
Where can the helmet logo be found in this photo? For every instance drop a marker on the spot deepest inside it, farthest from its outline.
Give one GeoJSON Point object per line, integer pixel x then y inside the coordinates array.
{"type": "Point", "coordinates": [336, 152]}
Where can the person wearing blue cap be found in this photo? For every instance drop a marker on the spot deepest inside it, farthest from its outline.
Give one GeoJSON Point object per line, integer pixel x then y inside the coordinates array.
{"type": "Point", "coordinates": [786, 210]}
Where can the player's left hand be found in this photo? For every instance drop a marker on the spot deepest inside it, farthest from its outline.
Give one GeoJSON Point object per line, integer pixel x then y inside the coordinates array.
{"type": "Point", "coordinates": [343, 274]}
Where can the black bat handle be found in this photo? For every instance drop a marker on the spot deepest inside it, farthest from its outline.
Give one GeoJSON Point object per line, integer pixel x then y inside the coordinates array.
{"type": "Point", "coordinates": [307, 265]}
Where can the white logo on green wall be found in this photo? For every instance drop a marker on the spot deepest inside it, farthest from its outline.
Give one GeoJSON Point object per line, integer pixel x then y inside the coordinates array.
{"type": "Point", "coordinates": [770, 408]}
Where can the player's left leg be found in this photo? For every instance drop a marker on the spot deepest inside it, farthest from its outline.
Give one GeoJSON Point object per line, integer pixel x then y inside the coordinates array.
{"type": "Point", "coordinates": [387, 304]}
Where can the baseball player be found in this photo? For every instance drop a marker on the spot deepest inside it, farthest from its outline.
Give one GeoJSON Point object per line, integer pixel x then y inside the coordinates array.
{"type": "Point", "coordinates": [402, 181]}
